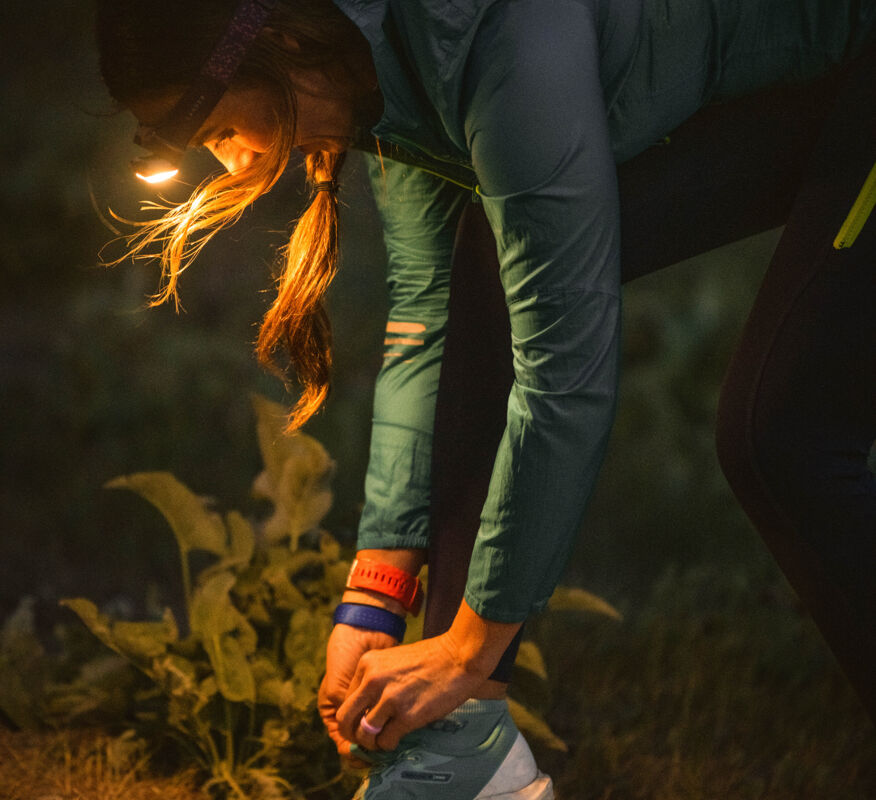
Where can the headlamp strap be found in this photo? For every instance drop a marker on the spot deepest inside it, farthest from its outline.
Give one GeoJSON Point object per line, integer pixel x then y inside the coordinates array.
{"type": "Point", "coordinates": [188, 115]}
{"type": "Point", "coordinates": [248, 20]}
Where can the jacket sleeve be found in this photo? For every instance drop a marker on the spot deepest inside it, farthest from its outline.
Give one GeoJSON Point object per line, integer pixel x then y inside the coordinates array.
{"type": "Point", "coordinates": [420, 214]}
{"type": "Point", "coordinates": [536, 125]}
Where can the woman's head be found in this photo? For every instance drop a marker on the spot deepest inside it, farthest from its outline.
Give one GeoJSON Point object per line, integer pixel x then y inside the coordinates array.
{"type": "Point", "coordinates": [154, 49]}
{"type": "Point", "coordinates": [298, 85]}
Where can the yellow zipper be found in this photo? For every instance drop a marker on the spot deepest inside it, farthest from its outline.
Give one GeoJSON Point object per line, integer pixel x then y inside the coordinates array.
{"type": "Point", "coordinates": [859, 214]}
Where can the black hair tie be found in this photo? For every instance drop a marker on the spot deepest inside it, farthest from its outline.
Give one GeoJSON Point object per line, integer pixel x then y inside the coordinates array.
{"type": "Point", "coordinates": [325, 186]}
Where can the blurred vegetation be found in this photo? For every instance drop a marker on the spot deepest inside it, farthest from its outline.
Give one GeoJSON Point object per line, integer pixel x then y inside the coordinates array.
{"type": "Point", "coordinates": [717, 686]}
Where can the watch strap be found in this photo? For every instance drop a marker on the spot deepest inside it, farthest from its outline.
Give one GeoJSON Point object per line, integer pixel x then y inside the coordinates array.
{"type": "Point", "coordinates": [387, 580]}
{"type": "Point", "coordinates": [370, 618]}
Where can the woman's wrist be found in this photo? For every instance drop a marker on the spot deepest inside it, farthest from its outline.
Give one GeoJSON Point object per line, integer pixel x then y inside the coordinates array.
{"type": "Point", "coordinates": [477, 643]}
{"type": "Point", "coordinates": [408, 559]}
{"type": "Point", "coordinates": [368, 598]}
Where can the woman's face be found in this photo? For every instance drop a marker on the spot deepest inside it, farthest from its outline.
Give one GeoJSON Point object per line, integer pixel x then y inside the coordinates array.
{"type": "Point", "coordinates": [244, 122]}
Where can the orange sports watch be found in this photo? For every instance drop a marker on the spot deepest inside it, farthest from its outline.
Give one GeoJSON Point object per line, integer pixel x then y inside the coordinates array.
{"type": "Point", "coordinates": [388, 580]}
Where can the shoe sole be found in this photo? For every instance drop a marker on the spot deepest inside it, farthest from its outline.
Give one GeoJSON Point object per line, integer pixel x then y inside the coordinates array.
{"type": "Point", "coordinates": [542, 788]}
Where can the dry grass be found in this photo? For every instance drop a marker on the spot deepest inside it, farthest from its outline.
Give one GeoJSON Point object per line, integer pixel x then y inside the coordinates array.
{"type": "Point", "coordinates": [83, 765]}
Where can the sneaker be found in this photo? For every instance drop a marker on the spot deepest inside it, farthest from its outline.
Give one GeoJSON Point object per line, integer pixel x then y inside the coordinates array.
{"type": "Point", "coordinates": [474, 753]}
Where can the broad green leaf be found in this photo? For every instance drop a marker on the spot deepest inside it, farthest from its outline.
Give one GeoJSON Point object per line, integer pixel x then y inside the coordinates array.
{"type": "Point", "coordinates": [179, 673]}
{"type": "Point", "coordinates": [208, 687]}
{"type": "Point", "coordinates": [567, 598]}
{"type": "Point", "coordinates": [305, 683]}
{"type": "Point", "coordinates": [246, 634]}
{"type": "Point", "coordinates": [143, 641]}
{"type": "Point", "coordinates": [285, 594]}
{"type": "Point", "coordinates": [107, 668]}
{"type": "Point", "coordinates": [258, 612]}
{"type": "Point", "coordinates": [296, 477]}
{"type": "Point", "coordinates": [194, 526]}
{"type": "Point", "coordinates": [275, 734]}
{"type": "Point", "coordinates": [308, 633]}
{"type": "Point", "coordinates": [529, 657]}
{"type": "Point", "coordinates": [242, 538]}
{"type": "Point", "coordinates": [74, 702]}
{"type": "Point", "coordinates": [269, 692]}
{"type": "Point", "coordinates": [304, 486]}
{"type": "Point", "coordinates": [329, 547]}
{"type": "Point", "coordinates": [271, 421]}
{"type": "Point", "coordinates": [253, 597]}
{"type": "Point", "coordinates": [214, 614]}
{"type": "Point", "coordinates": [530, 684]}
{"type": "Point", "coordinates": [286, 702]}
{"type": "Point", "coordinates": [97, 623]}
{"type": "Point", "coordinates": [264, 667]}
{"type": "Point", "coordinates": [268, 679]}
{"type": "Point", "coordinates": [212, 609]}
{"type": "Point", "coordinates": [414, 630]}
{"type": "Point", "coordinates": [296, 563]}
{"type": "Point", "coordinates": [534, 728]}
{"type": "Point", "coordinates": [232, 671]}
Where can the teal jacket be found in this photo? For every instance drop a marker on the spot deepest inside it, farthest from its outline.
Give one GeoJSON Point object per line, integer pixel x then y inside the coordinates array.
{"type": "Point", "coordinates": [533, 102]}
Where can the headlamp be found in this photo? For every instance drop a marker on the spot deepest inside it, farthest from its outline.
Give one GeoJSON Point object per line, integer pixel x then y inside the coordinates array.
{"type": "Point", "coordinates": [167, 141]}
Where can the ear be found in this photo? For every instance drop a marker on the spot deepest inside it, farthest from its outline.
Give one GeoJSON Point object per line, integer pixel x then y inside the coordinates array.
{"type": "Point", "coordinates": [283, 39]}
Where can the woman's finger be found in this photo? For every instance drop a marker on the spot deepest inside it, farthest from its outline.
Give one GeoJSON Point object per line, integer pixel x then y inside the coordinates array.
{"type": "Point", "coordinates": [349, 759]}
{"type": "Point", "coordinates": [352, 710]}
{"type": "Point", "coordinates": [392, 734]}
{"type": "Point", "coordinates": [372, 724]}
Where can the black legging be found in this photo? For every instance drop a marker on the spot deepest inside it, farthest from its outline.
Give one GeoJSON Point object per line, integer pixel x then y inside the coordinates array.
{"type": "Point", "coordinates": [798, 411]}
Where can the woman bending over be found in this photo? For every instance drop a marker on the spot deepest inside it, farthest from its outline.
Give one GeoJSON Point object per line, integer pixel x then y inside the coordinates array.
{"type": "Point", "coordinates": [526, 109]}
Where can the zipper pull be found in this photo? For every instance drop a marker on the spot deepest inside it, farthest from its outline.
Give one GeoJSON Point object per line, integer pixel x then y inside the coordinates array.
{"type": "Point", "coordinates": [859, 214]}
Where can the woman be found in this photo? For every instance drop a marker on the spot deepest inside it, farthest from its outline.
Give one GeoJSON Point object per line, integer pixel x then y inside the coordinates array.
{"type": "Point", "coordinates": [528, 107]}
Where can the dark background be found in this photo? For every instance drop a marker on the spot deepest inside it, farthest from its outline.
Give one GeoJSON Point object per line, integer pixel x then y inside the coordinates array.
{"type": "Point", "coordinates": [93, 384]}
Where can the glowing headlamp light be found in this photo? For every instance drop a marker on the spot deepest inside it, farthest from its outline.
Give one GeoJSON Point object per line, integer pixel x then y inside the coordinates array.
{"type": "Point", "coordinates": [167, 142]}
{"type": "Point", "coordinates": [164, 158]}
{"type": "Point", "coordinates": [154, 170]}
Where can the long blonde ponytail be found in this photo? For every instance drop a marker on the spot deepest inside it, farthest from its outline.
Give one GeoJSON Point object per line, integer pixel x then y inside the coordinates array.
{"type": "Point", "coordinates": [297, 320]}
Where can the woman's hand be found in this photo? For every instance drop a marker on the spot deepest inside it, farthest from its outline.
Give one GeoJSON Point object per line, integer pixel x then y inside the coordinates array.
{"type": "Point", "coordinates": [410, 686]}
{"type": "Point", "coordinates": [346, 646]}
{"type": "Point", "coordinates": [403, 690]}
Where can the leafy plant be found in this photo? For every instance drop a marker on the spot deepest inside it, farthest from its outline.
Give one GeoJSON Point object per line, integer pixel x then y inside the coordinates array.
{"type": "Point", "coordinates": [236, 680]}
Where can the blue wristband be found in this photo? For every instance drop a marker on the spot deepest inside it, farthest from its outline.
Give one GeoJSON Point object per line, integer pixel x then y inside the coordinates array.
{"type": "Point", "coordinates": [371, 618]}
